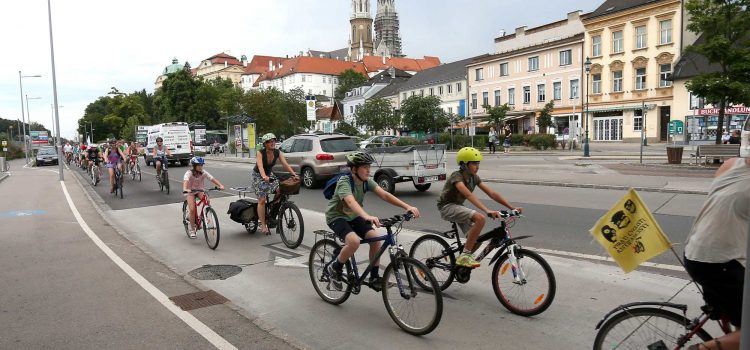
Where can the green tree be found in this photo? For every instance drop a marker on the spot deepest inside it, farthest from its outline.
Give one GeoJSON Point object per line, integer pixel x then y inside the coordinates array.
{"type": "Point", "coordinates": [176, 99]}
{"type": "Point", "coordinates": [497, 114]}
{"type": "Point", "coordinates": [725, 26]}
{"type": "Point", "coordinates": [377, 115]}
{"type": "Point", "coordinates": [544, 120]}
{"type": "Point", "coordinates": [348, 79]}
{"type": "Point", "coordinates": [423, 113]}
{"type": "Point", "coordinates": [346, 129]}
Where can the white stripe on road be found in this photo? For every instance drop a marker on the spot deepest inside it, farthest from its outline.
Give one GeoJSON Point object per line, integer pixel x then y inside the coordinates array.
{"type": "Point", "coordinates": [189, 319]}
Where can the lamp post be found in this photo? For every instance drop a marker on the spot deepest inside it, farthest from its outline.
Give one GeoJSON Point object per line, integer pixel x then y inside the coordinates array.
{"type": "Point", "coordinates": [23, 116]}
{"type": "Point", "coordinates": [54, 90]}
{"type": "Point", "coordinates": [52, 108]}
{"type": "Point", "coordinates": [28, 114]}
{"type": "Point", "coordinates": [587, 66]}
{"type": "Point", "coordinates": [91, 131]}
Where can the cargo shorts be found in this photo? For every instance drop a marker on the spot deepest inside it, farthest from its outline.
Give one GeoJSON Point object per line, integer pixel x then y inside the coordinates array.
{"type": "Point", "coordinates": [459, 214]}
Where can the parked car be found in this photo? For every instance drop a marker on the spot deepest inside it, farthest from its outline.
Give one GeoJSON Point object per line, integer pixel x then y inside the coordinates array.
{"type": "Point", "coordinates": [46, 155]}
{"type": "Point", "coordinates": [411, 139]}
{"type": "Point", "coordinates": [377, 141]}
{"type": "Point", "coordinates": [316, 157]}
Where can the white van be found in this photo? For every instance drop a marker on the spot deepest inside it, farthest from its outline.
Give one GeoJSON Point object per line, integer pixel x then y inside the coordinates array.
{"type": "Point", "coordinates": [176, 138]}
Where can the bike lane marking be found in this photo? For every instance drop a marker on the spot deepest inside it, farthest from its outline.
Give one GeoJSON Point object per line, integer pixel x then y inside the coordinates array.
{"type": "Point", "coordinates": [206, 332]}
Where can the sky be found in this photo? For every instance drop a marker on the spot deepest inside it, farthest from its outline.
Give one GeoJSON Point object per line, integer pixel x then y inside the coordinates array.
{"type": "Point", "coordinates": [101, 44]}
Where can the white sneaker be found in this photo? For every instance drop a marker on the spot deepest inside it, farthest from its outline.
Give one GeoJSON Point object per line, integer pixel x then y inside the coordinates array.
{"type": "Point", "coordinates": [192, 233]}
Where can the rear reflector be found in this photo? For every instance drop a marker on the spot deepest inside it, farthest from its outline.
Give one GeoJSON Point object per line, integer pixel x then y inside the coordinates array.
{"type": "Point", "coordinates": [324, 156]}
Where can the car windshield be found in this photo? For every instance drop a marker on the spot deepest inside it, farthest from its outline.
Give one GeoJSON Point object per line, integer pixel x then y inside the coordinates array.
{"type": "Point", "coordinates": [47, 152]}
{"type": "Point", "coordinates": [344, 144]}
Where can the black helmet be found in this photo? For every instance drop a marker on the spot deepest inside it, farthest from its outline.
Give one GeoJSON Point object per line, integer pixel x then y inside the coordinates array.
{"type": "Point", "coordinates": [359, 158]}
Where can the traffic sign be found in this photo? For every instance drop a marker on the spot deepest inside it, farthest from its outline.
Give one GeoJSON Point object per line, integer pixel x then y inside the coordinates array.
{"type": "Point", "coordinates": [5, 143]}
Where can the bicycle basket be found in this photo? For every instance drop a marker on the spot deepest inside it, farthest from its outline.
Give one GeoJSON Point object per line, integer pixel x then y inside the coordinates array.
{"type": "Point", "coordinates": [290, 185]}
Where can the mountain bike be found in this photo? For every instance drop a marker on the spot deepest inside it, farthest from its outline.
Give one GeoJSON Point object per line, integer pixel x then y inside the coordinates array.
{"type": "Point", "coordinates": [135, 169]}
{"type": "Point", "coordinates": [282, 214]}
{"type": "Point", "coordinates": [163, 179]}
{"type": "Point", "coordinates": [205, 218]}
{"type": "Point", "coordinates": [415, 309]}
{"type": "Point", "coordinates": [522, 280]}
{"type": "Point", "coordinates": [650, 325]}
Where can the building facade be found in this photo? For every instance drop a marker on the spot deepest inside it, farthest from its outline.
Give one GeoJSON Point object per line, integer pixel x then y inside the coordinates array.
{"type": "Point", "coordinates": [172, 68]}
{"type": "Point", "coordinates": [255, 68]}
{"type": "Point", "coordinates": [222, 66]}
{"type": "Point", "coordinates": [447, 81]}
{"type": "Point", "coordinates": [358, 96]}
{"type": "Point", "coordinates": [632, 46]}
{"type": "Point", "coordinates": [314, 75]}
{"type": "Point", "coordinates": [387, 36]}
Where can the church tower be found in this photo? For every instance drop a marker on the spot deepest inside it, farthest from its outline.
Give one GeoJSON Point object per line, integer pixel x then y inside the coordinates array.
{"type": "Point", "coordinates": [361, 41]}
{"type": "Point", "coordinates": [387, 37]}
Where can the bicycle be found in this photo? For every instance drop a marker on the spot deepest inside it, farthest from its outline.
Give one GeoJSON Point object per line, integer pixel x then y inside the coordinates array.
{"type": "Point", "coordinates": [135, 169]}
{"type": "Point", "coordinates": [399, 287]}
{"type": "Point", "coordinates": [95, 173]}
{"type": "Point", "coordinates": [517, 291]}
{"type": "Point", "coordinates": [205, 218]}
{"type": "Point", "coordinates": [118, 181]}
{"type": "Point", "coordinates": [282, 214]}
{"type": "Point", "coordinates": [647, 325]}
{"type": "Point", "coordinates": [163, 180]}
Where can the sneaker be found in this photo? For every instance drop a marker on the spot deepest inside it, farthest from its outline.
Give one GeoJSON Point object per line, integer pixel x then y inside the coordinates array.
{"type": "Point", "coordinates": [335, 277]}
{"type": "Point", "coordinates": [376, 283]}
{"type": "Point", "coordinates": [467, 260]}
{"type": "Point", "coordinates": [192, 233]}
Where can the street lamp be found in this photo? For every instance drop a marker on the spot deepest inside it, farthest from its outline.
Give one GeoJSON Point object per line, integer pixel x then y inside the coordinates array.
{"type": "Point", "coordinates": [587, 66]}
{"type": "Point", "coordinates": [20, 84]}
{"type": "Point", "coordinates": [52, 108]}
{"type": "Point", "coordinates": [28, 112]}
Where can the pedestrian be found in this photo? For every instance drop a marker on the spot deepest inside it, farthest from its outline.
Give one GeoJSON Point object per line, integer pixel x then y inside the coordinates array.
{"type": "Point", "coordinates": [491, 140]}
{"type": "Point", "coordinates": [506, 142]}
{"type": "Point", "coordinates": [734, 139]}
{"type": "Point", "coordinates": [725, 138]}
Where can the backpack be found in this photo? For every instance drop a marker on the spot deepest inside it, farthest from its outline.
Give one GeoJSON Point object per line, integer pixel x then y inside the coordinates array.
{"type": "Point", "coordinates": [242, 211]}
{"type": "Point", "coordinates": [330, 186]}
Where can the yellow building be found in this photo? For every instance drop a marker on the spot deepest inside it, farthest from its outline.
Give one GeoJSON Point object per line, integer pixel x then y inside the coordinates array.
{"type": "Point", "coordinates": [222, 66]}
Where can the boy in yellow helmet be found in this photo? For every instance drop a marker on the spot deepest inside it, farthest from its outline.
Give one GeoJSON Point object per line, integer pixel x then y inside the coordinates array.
{"type": "Point", "coordinates": [460, 187]}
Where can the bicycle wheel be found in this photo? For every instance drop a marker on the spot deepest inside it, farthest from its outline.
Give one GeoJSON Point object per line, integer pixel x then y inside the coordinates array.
{"type": "Point", "coordinates": [138, 170]}
{"type": "Point", "coordinates": [291, 226]}
{"type": "Point", "coordinates": [321, 255]}
{"type": "Point", "coordinates": [165, 179]}
{"type": "Point", "coordinates": [211, 227]}
{"type": "Point", "coordinates": [416, 311]}
{"type": "Point", "coordinates": [645, 328]}
{"type": "Point", "coordinates": [186, 217]}
{"type": "Point", "coordinates": [133, 173]}
{"type": "Point", "coordinates": [251, 226]}
{"type": "Point", "coordinates": [533, 293]}
{"type": "Point", "coordinates": [435, 253]}
{"type": "Point", "coordinates": [93, 177]}
{"type": "Point", "coordinates": [119, 184]}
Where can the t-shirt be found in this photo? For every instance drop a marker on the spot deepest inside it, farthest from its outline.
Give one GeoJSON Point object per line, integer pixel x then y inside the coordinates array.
{"type": "Point", "coordinates": [92, 152]}
{"type": "Point", "coordinates": [337, 208]}
{"type": "Point", "coordinates": [197, 182]}
{"type": "Point", "coordinates": [68, 148]}
{"type": "Point", "coordinates": [451, 194]}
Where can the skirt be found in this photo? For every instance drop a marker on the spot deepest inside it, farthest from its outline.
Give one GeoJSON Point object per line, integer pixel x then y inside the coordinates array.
{"type": "Point", "coordinates": [262, 188]}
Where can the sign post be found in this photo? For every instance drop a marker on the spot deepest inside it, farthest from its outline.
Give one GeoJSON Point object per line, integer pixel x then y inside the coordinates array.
{"type": "Point", "coordinates": [238, 140]}
{"type": "Point", "coordinates": [676, 127]}
{"type": "Point", "coordinates": [310, 105]}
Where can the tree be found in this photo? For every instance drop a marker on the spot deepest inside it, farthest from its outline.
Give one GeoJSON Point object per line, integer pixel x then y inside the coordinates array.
{"type": "Point", "coordinates": [544, 120]}
{"type": "Point", "coordinates": [423, 113]}
{"type": "Point", "coordinates": [497, 114]}
{"type": "Point", "coordinates": [348, 79]}
{"type": "Point", "coordinates": [346, 129]}
{"type": "Point", "coordinates": [725, 26]}
{"type": "Point", "coordinates": [377, 115]}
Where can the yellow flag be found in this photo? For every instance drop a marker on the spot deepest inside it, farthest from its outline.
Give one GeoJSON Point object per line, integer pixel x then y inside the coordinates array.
{"type": "Point", "coordinates": [630, 233]}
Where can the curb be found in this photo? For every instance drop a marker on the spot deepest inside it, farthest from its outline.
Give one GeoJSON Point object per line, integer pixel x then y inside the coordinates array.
{"type": "Point", "coordinates": [593, 186]}
{"type": "Point", "coordinates": [4, 175]}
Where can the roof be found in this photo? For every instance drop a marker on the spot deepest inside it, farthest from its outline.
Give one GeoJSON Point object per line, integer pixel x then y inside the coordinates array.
{"type": "Point", "coordinates": [387, 75]}
{"type": "Point", "coordinates": [613, 6]}
{"type": "Point", "coordinates": [443, 73]}
{"type": "Point", "coordinates": [332, 113]}
{"type": "Point", "coordinates": [221, 58]}
{"type": "Point", "coordinates": [691, 64]}
{"type": "Point", "coordinates": [340, 54]}
{"type": "Point", "coordinates": [259, 64]}
{"type": "Point", "coordinates": [317, 65]}
{"type": "Point", "coordinates": [378, 63]}
{"type": "Point", "coordinates": [392, 89]}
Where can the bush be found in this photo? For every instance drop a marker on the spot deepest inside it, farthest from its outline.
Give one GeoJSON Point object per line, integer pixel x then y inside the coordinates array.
{"type": "Point", "coordinates": [542, 141]}
{"type": "Point", "coordinates": [15, 151]}
{"type": "Point", "coordinates": [517, 140]}
{"type": "Point", "coordinates": [408, 141]}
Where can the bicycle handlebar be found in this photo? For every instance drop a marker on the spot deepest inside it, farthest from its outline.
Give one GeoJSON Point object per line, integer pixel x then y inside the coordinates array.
{"type": "Point", "coordinates": [196, 190]}
{"type": "Point", "coordinates": [505, 214]}
{"type": "Point", "coordinates": [385, 222]}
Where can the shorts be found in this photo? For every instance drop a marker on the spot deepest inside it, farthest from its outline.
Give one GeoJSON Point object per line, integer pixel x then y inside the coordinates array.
{"type": "Point", "coordinates": [111, 165]}
{"type": "Point", "coordinates": [459, 214]}
{"type": "Point", "coordinates": [722, 285]}
{"type": "Point", "coordinates": [341, 227]}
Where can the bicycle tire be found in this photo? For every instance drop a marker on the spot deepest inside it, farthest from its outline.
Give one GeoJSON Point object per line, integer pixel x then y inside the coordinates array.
{"type": "Point", "coordinates": [166, 179]}
{"type": "Point", "coordinates": [287, 227]}
{"type": "Point", "coordinates": [394, 274]}
{"type": "Point", "coordinates": [119, 185]}
{"type": "Point", "coordinates": [186, 217]}
{"type": "Point", "coordinates": [642, 335]}
{"type": "Point", "coordinates": [138, 167]}
{"type": "Point", "coordinates": [320, 255]}
{"type": "Point", "coordinates": [211, 227]}
{"type": "Point", "coordinates": [429, 247]}
{"type": "Point", "coordinates": [133, 173]}
{"type": "Point", "coordinates": [541, 298]}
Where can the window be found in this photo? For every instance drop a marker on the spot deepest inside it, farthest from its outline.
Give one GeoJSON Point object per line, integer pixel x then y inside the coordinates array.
{"type": "Point", "coordinates": [557, 90]}
{"type": "Point", "coordinates": [450, 110]}
{"type": "Point", "coordinates": [664, 71]}
{"type": "Point", "coordinates": [533, 63]}
{"type": "Point", "coordinates": [665, 32]}
{"type": "Point", "coordinates": [511, 96]}
{"type": "Point", "coordinates": [596, 45]}
{"type": "Point", "coordinates": [303, 78]}
{"type": "Point", "coordinates": [497, 98]}
{"type": "Point", "coordinates": [540, 93]}
{"type": "Point", "coordinates": [641, 40]}
{"type": "Point", "coordinates": [503, 69]}
{"type": "Point", "coordinates": [336, 80]}
{"type": "Point", "coordinates": [596, 83]}
{"type": "Point", "coordinates": [432, 92]}
{"type": "Point", "coordinates": [340, 144]}
{"type": "Point", "coordinates": [403, 96]}
{"type": "Point", "coordinates": [574, 88]}
{"type": "Point", "coordinates": [351, 109]}
{"type": "Point", "coordinates": [640, 78]}
{"type": "Point", "coordinates": [617, 42]}
{"type": "Point", "coordinates": [473, 101]}
{"type": "Point", "coordinates": [450, 88]}
{"type": "Point", "coordinates": [421, 92]}
{"type": "Point", "coordinates": [309, 78]}
{"type": "Point", "coordinates": [566, 57]}
{"type": "Point", "coordinates": [458, 87]}
{"type": "Point", "coordinates": [324, 92]}
{"type": "Point", "coordinates": [617, 81]}
{"type": "Point", "coordinates": [440, 90]}
{"type": "Point", "coordinates": [485, 98]}
{"type": "Point", "coordinates": [637, 120]}
{"type": "Point", "coordinates": [479, 74]}
{"type": "Point", "coordinates": [527, 94]}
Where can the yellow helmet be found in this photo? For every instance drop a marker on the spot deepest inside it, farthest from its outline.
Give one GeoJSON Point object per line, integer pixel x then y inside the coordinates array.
{"type": "Point", "coordinates": [468, 154]}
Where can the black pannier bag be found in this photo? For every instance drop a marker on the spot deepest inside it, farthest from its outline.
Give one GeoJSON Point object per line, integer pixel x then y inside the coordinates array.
{"type": "Point", "coordinates": [242, 211]}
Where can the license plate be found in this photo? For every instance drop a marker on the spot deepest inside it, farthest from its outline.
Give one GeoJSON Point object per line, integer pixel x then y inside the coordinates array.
{"type": "Point", "coordinates": [430, 178]}
{"type": "Point", "coordinates": [431, 166]}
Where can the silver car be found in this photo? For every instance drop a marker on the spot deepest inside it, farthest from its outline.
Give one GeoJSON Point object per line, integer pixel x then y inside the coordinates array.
{"type": "Point", "coordinates": [377, 141]}
{"type": "Point", "coordinates": [46, 155]}
{"type": "Point", "coordinates": [316, 157]}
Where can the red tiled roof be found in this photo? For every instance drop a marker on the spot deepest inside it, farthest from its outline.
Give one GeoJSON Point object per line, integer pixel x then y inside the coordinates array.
{"type": "Point", "coordinates": [259, 64]}
{"type": "Point", "coordinates": [317, 65]}
{"type": "Point", "coordinates": [324, 113]}
{"type": "Point", "coordinates": [375, 63]}
{"type": "Point", "coordinates": [221, 58]}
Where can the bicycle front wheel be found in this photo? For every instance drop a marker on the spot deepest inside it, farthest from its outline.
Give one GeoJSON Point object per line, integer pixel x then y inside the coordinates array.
{"type": "Point", "coordinates": [416, 310]}
{"type": "Point", "coordinates": [645, 328]}
{"type": "Point", "coordinates": [119, 185]}
{"type": "Point", "coordinates": [291, 226]}
{"type": "Point", "coordinates": [437, 255]}
{"type": "Point", "coordinates": [138, 170]}
{"type": "Point", "coordinates": [165, 180]}
{"type": "Point", "coordinates": [321, 255]}
{"type": "Point", "coordinates": [526, 289]}
{"type": "Point", "coordinates": [186, 217]}
{"type": "Point", "coordinates": [211, 227]}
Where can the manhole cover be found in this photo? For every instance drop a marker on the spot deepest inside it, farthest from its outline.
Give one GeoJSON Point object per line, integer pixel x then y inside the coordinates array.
{"type": "Point", "coordinates": [215, 272]}
{"type": "Point", "coordinates": [198, 300]}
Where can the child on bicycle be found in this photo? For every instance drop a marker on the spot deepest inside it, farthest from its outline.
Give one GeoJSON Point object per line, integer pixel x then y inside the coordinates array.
{"type": "Point", "coordinates": [458, 188]}
{"type": "Point", "coordinates": [349, 221]}
{"type": "Point", "coordinates": [132, 153]}
{"type": "Point", "coordinates": [194, 180]}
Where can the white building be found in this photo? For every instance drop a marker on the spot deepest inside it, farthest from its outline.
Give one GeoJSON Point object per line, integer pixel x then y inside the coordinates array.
{"type": "Point", "coordinates": [447, 81]}
{"type": "Point", "coordinates": [358, 96]}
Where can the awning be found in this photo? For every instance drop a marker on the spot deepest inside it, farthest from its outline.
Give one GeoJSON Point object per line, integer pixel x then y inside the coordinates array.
{"type": "Point", "coordinates": [242, 118]}
{"type": "Point", "coordinates": [620, 108]}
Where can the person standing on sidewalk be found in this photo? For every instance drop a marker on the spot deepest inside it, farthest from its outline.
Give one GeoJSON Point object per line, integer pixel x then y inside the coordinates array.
{"type": "Point", "coordinates": [506, 142]}
{"type": "Point", "coordinates": [264, 181]}
{"type": "Point", "coordinates": [491, 139]}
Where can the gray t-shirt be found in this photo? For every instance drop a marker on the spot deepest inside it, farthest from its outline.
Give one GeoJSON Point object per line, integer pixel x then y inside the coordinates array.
{"type": "Point", "coordinates": [719, 234]}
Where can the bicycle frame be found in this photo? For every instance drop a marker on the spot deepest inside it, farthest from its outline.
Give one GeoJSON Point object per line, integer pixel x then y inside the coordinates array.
{"type": "Point", "coordinates": [202, 203]}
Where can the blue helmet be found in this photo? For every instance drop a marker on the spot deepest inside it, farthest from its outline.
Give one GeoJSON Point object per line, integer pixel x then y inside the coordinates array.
{"type": "Point", "coordinates": [197, 161]}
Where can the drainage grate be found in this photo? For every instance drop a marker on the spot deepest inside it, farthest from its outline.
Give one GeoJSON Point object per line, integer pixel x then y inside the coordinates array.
{"type": "Point", "coordinates": [215, 272]}
{"type": "Point", "coordinates": [198, 300]}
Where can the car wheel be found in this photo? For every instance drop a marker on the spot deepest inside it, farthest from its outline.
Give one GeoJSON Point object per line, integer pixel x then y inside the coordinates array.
{"type": "Point", "coordinates": [386, 183]}
{"type": "Point", "coordinates": [423, 187]}
{"type": "Point", "coordinates": [308, 177]}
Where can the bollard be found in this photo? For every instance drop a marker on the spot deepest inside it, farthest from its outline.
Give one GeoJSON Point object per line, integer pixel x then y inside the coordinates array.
{"type": "Point", "coordinates": [3, 165]}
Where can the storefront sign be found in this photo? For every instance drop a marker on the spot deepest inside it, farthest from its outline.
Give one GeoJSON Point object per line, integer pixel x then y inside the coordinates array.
{"type": "Point", "coordinates": [731, 110]}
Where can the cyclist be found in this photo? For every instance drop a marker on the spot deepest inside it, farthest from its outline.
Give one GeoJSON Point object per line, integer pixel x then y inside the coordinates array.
{"type": "Point", "coordinates": [160, 154]}
{"type": "Point", "coordinates": [350, 222]}
{"type": "Point", "coordinates": [82, 152]}
{"type": "Point", "coordinates": [68, 150]}
{"type": "Point", "coordinates": [458, 188]}
{"type": "Point", "coordinates": [93, 156]}
{"type": "Point", "coordinates": [114, 158]}
{"type": "Point", "coordinates": [263, 173]}
{"type": "Point", "coordinates": [194, 180]}
{"type": "Point", "coordinates": [715, 255]}
{"type": "Point", "coordinates": [132, 153]}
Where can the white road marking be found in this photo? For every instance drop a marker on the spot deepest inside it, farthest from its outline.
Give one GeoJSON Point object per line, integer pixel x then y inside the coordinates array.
{"type": "Point", "coordinates": [189, 319]}
{"type": "Point", "coordinates": [299, 262]}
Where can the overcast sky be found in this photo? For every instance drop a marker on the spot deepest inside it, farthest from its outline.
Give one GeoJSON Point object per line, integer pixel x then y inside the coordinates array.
{"type": "Point", "coordinates": [126, 44]}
